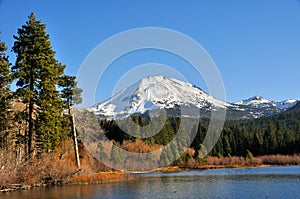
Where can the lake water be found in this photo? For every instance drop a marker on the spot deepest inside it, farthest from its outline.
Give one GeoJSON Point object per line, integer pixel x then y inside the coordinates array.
{"type": "Point", "coordinates": [270, 182]}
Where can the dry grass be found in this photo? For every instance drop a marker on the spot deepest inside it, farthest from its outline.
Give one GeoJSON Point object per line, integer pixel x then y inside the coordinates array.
{"type": "Point", "coordinates": [99, 177]}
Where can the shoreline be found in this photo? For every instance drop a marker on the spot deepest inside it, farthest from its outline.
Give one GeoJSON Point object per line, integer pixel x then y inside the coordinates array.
{"type": "Point", "coordinates": [97, 178]}
{"type": "Point", "coordinates": [122, 176]}
{"type": "Point", "coordinates": [211, 167]}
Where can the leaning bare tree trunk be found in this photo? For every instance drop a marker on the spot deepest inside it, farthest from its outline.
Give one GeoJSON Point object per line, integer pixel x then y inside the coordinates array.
{"type": "Point", "coordinates": [74, 138]}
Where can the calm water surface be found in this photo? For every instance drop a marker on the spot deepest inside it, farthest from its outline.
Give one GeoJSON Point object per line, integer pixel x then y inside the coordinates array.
{"type": "Point", "coordinates": [271, 182]}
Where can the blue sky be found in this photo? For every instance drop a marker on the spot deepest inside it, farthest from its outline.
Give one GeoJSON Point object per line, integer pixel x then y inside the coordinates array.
{"type": "Point", "coordinates": [255, 44]}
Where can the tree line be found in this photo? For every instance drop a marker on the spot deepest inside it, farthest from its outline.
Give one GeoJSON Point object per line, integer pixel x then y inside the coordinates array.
{"type": "Point", "coordinates": [277, 134]}
{"type": "Point", "coordinates": [36, 116]}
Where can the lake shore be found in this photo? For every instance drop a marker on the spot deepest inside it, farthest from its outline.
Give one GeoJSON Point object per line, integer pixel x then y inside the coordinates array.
{"type": "Point", "coordinates": [97, 178]}
{"type": "Point", "coordinates": [121, 176]}
{"type": "Point", "coordinates": [208, 167]}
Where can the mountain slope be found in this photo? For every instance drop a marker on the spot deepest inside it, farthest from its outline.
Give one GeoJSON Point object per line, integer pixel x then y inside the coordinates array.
{"type": "Point", "coordinates": [260, 102]}
{"type": "Point", "coordinates": [158, 92]}
{"type": "Point", "coordinates": [296, 107]}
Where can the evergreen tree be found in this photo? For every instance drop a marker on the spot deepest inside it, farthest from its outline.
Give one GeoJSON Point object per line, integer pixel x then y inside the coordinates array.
{"type": "Point", "coordinates": [37, 74]}
{"type": "Point", "coordinates": [71, 95]}
{"type": "Point", "coordinates": [101, 151]}
{"type": "Point", "coordinates": [202, 152]}
{"type": "Point", "coordinates": [271, 138]}
{"type": "Point", "coordinates": [70, 92]}
{"type": "Point", "coordinates": [226, 144]}
{"type": "Point", "coordinates": [116, 155]}
{"type": "Point", "coordinates": [165, 156]}
{"type": "Point", "coordinates": [5, 80]}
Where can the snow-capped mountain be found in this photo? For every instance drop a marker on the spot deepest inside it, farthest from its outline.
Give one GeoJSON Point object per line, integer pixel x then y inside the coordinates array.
{"type": "Point", "coordinates": [257, 101]}
{"type": "Point", "coordinates": [286, 104]}
{"type": "Point", "coordinates": [156, 92]}
{"type": "Point", "coordinates": [159, 92]}
{"type": "Point", "coordinates": [260, 102]}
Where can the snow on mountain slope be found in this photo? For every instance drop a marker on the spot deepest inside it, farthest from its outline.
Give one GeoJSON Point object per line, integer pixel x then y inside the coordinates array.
{"type": "Point", "coordinates": [256, 101]}
{"type": "Point", "coordinates": [160, 92]}
{"type": "Point", "coordinates": [260, 102]}
{"type": "Point", "coordinates": [286, 104]}
{"type": "Point", "coordinates": [155, 92]}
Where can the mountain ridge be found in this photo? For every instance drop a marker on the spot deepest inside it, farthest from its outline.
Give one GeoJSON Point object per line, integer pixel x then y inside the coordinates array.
{"type": "Point", "coordinates": [159, 92]}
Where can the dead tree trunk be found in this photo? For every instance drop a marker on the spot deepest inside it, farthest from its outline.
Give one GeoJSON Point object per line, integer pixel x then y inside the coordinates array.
{"type": "Point", "coordinates": [74, 138]}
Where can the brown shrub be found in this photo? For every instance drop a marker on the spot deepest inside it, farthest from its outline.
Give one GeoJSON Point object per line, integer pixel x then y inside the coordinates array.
{"type": "Point", "coordinates": [256, 161]}
{"type": "Point", "coordinates": [280, 159]}
{"type": "Point", "coordinates": [138, 146]}
{"type": "Point", "coordinates": [225, 161]}
{"type": "Point", "coordinates": [8, 172]}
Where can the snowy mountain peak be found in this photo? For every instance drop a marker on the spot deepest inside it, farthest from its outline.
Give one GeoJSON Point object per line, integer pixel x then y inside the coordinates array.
{"type": "Point", "coordinates": [255, 100]}
{"type": "Point", "coordinates": [286, 104]}
{"type": "Point", "coordinates": [260, 102]}
{"type": "Point", "coordinates": [155, 92]}
{"type": "Point", "coordinates": [257, 97]}
{"type": "Point", "coordinates": [159, 92]}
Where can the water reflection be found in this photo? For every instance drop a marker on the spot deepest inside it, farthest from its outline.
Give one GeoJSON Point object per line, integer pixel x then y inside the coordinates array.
{"type": "Point", "coordinates": [273, 182]}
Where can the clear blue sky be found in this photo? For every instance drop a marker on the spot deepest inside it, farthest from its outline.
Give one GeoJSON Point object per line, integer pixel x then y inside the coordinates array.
{"type": "Point", "coordinates": [255, 44]}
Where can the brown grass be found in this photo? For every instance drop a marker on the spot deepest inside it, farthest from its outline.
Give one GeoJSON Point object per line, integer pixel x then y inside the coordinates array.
{"type": "Point", "coordinates": [99, 177]}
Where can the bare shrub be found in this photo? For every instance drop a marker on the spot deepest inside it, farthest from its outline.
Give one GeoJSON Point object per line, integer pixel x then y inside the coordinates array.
{"type": "Point", "coordinates": [225, 161]}
{"type": "Point", "coordinates": [280, 159]}
{"type": "Point", "coordinates": [192, 163]}
{"type": "Point", "coordinates": [8, 172]}
{"type": "Point", "coordinates": [212, 160]}
{"type": "Point", "coordinates": [256, 161]}
{"type": "Point", "coordinates": [266, 159]}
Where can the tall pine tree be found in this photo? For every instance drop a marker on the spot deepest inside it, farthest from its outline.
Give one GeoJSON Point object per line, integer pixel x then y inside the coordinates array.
{"type": "Point", "coordinates": [37, 74]}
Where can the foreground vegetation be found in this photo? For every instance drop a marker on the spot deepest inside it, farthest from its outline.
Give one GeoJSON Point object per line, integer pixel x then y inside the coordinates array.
{"type": "Point", "coordinates": [56, 168]}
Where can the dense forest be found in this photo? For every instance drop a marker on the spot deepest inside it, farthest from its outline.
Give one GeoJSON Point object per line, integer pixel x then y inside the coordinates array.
{"type": "Point", "coordinates": [277, 134]}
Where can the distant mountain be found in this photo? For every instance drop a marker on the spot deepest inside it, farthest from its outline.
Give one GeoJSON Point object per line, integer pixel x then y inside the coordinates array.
{"type": "Point", "coordinates": [260, 102]}
{"type": "Point", "coordinates": [287, 104]}
{"type": "Point", "coordinates": [156, 92]}
{"type": "Point", "coordinates": [258, 106]}
{"type": "Point", "coordinates": [159, 92]}
{"type": "Point", "coordinates": [257, 101]}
